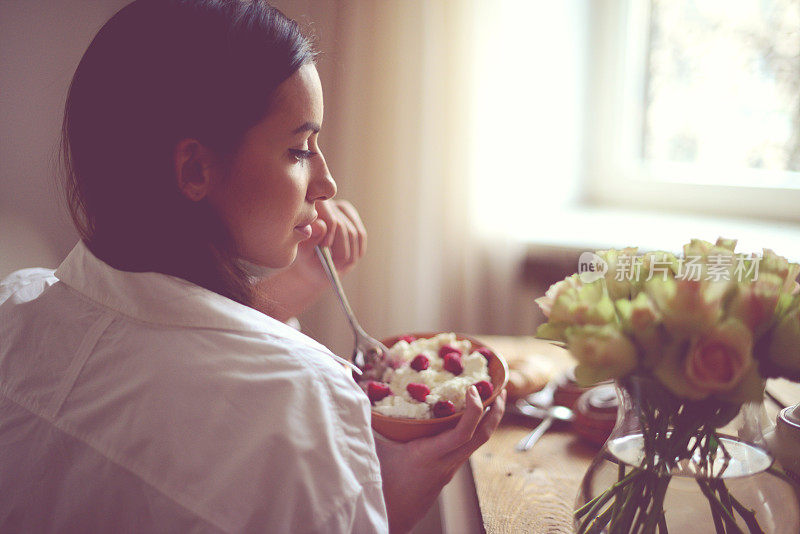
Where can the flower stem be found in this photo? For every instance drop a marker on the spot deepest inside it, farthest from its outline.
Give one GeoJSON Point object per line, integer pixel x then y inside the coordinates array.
{"type": "Point", "coordinates": [730, 521]}
{"type": "Point", "coordinates": [599, 522]}
{"type": "Point", "coordinates": [657, 500]}
{"type": "Point", "coordinates": [749, 516]}
{"type": "Point", "coordinates": [592, 513]}
{"type": "Point", "coordinates": [724, 496]}
{"type": "Point", "coordinates": [592, 506]}
{"type": "Point", "coordinates": [717, 517]}
{"type": "Point", "coordinates": [662, 524]}
{"type": "Point", "coordinates": [629, 507]}
{"type": "Point", "coordinates": [618, 507]}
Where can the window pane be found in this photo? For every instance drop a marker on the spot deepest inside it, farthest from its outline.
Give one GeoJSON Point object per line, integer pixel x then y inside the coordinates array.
{"type": "Point", "coordinates": [723, 86]}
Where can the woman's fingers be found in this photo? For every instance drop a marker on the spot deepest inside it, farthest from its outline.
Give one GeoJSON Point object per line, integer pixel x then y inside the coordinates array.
{"type": "Point", "coordinates": [343, 249]}
{"type": "Point", "coordinates": [361, 231]}
{"type": "Point", "coordinates": [485, 428]}
{"type": "Point", "coordinates": [462, 433]}
{"type": "Point", "coordinates": [346, 235]}
{"type": "Point", "coordinates": [415, 472]}
{"type": "Point", "coordinates": [329, 213]}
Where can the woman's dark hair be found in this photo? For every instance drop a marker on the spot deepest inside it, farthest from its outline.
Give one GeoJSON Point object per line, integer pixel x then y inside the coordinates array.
{"type": "Point", "coordinates": [157, 72]}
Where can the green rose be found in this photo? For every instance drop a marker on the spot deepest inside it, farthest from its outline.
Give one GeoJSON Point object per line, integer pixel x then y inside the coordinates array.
{"type": "Point", "coordinates": [575, 305]}
{"type": "Point", "coordinates": [622, 275]}
{"type": "Point", "coordinates": [755, 303]}
{"type": "Point", "coordinates": [687, 307]}
{"type": "Point", "coordinates": [602, 352]}
{"type": "Point", "coordinates": [783, 354]}
{"type": "Point", "coordinates": [641, 320]}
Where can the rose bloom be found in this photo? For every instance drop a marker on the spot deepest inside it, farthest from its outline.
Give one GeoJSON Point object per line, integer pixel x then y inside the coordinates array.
{"type": "Point", "coordinates": [688, 307]}
{"type": "Point", "coordinates": [620, 289]}
{"type": "Point", "coordinates": [754, 302]}
{"type": "Point", "coordinates": [717, 361]}
{"type": "Point", "coordinates": [784, 349]}
{"type": "Point", "coordinates": [603, 352]}
{"type": "Point", "coordinates": [546, 302]}
{"type": "Point", "coordinates": [790, 284]}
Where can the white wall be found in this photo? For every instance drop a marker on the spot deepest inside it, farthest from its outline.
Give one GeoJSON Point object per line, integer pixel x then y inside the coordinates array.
{"type": "Point", "coordinates": [41, 42]}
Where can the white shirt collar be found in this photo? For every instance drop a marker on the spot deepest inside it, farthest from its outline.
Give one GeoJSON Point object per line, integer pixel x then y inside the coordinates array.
{"type": "Point", "coordinates": [160, 298]}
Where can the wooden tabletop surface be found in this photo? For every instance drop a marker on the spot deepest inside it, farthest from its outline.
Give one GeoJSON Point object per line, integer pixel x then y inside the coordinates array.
{"type": "Point", "coordinates": [534, 491]}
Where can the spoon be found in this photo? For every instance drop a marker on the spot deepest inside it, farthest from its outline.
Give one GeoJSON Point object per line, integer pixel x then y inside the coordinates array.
{"type": "Point", "coordinates": [367, 351]}
{"type": "Point", "coordinates": [545, 396]}
{"type": "Point", "coordinates": [547, 415]}
{"type": "Point", "coordinates": [560, 413]}
{"type": "Point", "coordinates": [542, 403]}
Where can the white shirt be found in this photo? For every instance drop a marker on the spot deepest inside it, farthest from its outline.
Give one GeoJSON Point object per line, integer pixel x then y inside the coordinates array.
{"type": "Point", "coordinates": [139, 402]}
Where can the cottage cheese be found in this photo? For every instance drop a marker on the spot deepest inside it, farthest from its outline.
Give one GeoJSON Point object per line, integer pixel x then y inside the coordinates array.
{"type": "Point", "coordinates": [444, 385]}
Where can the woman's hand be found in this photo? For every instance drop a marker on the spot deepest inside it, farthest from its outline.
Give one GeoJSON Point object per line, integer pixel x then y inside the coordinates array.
{"type": "Point", "coordinates": [338, 227]}
{"type": "Point", "coordinates": [415, 472]}
{"type": "Point", "coordinates": [290, 291]}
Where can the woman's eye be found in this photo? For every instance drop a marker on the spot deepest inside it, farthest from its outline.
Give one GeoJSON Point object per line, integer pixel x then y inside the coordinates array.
{"type": "Point", "coordinates": [301, 155]}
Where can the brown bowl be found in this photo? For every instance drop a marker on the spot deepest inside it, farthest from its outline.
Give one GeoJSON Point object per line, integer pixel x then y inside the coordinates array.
{"type": "Point", "coordinates": [401, 429]}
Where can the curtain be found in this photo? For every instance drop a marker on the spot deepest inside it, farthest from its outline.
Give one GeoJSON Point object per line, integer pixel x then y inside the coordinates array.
{"type": "Point", "coordinates": [403, 116]}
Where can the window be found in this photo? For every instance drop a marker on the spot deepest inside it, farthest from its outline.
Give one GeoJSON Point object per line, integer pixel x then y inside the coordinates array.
{"type": "Point", "coordinates": [697, 106]}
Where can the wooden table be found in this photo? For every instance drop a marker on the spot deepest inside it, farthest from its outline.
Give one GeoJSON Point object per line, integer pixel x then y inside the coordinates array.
{"type": "Point", "coordinates": [534, 491]}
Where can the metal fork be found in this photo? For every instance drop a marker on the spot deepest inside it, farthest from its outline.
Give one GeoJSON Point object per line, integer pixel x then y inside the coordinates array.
{"type": "Point", "coordinates": [367, 351]}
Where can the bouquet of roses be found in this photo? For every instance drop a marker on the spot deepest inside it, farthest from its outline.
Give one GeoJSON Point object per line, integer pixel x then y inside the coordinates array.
{"type": "Point", "coordinates": [706, 330]}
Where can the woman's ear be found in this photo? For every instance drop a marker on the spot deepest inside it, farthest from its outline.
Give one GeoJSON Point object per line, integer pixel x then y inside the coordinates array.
{"type": "Point", "coordinates": [193, 169]}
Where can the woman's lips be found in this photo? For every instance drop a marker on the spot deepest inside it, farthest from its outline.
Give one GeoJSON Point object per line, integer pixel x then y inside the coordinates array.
{"type": "Point", "coordinates": [304, 230]}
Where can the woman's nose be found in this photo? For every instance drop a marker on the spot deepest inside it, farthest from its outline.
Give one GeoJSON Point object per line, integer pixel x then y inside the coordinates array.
{"type": "Point", "coordinates": [322, 186]}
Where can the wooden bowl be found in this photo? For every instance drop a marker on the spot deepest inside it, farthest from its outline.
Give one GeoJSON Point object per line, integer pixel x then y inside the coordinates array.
{"type": "Point", "coordinates": [402, 429]}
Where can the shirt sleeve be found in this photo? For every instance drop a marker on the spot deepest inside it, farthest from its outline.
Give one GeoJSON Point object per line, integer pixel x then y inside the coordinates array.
{"type": "Point", "coordinates": [330, 471]}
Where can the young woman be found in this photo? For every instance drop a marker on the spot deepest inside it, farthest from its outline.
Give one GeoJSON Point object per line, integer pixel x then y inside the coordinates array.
{"type": "Point", "coordinates": [149, 383]}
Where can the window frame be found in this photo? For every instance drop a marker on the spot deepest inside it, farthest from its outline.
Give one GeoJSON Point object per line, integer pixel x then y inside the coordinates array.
{"type": "Point", "coordinates": [616, 173]}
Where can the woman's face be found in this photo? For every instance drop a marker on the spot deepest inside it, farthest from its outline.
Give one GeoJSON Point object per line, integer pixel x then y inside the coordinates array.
{"type": "Point", "coordinates": [266, 199]}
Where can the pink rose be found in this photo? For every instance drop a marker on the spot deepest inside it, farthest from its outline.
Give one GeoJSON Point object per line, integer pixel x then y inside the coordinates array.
{"type": "Point", "coordinates": [717, 361]}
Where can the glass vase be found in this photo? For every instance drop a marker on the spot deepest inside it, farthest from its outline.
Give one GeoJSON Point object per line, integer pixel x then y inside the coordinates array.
{"type": "Point", "coordinates": [672, 465]}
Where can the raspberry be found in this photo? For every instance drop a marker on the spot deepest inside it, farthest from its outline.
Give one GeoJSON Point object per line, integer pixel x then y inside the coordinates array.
{"type": "Point", "coordinates": [443, 409]}
{"type": "Point", "coordinates": [446, 349]}
{"type": "Point", "coordinates": [485, 389]}
{"type": "Point", "coordinates": [418, 391]}
{"type": "Point", "coordinates": [419, 363]}
{"type": "Point", "coordinates": [486, 352]}
{"type": "Point", "coordinates": [452, 363]}
{"type": "Point", "coordinates": [407, 339]}
{"type": "Point", "coordinates": [377, 390]}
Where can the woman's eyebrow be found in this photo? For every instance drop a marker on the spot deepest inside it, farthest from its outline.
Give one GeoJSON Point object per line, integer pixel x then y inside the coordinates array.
{"type": "Point", "coordinates": [307, 126]}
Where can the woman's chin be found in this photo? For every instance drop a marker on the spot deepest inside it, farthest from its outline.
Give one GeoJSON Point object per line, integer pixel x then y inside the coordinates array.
{"type": "Point", "coordinates": [274, 262]}
{"type": "Point", "coordinates": [288, 258]}
{"type": "Point", "coordinates": [275, 258]}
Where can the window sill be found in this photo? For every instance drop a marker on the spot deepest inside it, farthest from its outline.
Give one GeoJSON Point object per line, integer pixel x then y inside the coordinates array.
{"type": "Point", "coordinates": [591, 228]}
